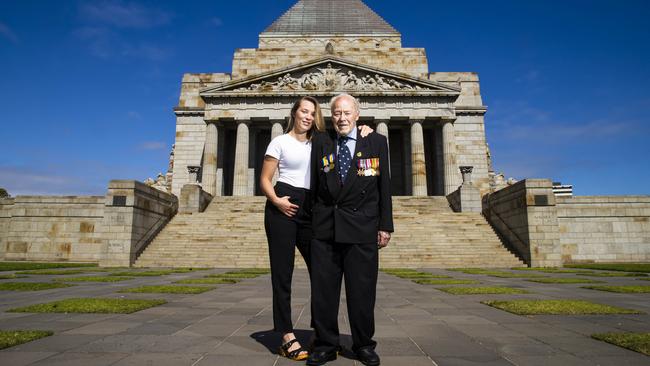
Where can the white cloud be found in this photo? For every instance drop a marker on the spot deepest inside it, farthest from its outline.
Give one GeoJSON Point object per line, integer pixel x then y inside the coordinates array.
{"type": "Point", "coordinates": [153, 145]}
{"type": "Point", "coordinates": [6, 32]}
{"type": "Point", "coordinates": [30, 181]}
{"type": "Point", "coordinates": [530, 76]}
{"type": "Point", "coordinates": [123, 15]}
{"type": "Point", "coordinates": [134, 115]}
{"type": "Point", "coordinates": [106, 43]}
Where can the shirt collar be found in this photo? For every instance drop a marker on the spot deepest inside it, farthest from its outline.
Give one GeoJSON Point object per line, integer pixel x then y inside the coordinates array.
{"type": "Point", "coordinates": [352, 135]}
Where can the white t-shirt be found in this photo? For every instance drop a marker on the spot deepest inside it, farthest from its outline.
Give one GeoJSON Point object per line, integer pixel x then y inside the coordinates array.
{"type": "Point", "coordinates": [294, 160]}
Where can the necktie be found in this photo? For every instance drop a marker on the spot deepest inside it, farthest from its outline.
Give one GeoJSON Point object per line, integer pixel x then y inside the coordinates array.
{"type": "Point", "coordinates": [345, 158]}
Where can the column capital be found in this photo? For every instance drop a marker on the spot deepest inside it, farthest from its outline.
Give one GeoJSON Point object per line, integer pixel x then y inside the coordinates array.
{"type": "Point", "coordinates": [215, 122]}
{"type": "Point", "coordinates": [445, 120]}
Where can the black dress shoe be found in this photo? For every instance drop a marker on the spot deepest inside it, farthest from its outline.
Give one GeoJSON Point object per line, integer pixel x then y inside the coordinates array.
{"type": "Point", "coordinates": [368, 356]}
{"type": "Point", "coordinates": [317, 358]}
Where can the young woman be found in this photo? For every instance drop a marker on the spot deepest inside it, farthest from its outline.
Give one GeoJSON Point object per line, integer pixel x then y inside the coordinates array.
{"type": "Point", "coordinates": [287, 215]}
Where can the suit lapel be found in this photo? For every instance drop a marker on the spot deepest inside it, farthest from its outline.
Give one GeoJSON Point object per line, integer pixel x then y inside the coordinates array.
{"type": "Point", "coordinates": [331, 177]}
{"type": "Point", "coordinates": [362, 143]}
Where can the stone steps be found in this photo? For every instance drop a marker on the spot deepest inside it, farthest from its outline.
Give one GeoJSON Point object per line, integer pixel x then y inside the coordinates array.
{"type": "Point", "coordinates": [230, 233]}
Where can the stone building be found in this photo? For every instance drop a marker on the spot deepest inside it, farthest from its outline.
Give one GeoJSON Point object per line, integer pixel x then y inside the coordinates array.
{"type": "Point", "coordinates": [434, 121]}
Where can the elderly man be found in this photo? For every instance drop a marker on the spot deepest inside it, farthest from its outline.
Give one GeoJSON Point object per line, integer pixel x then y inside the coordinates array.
{"type": "Point", "coordinates": [352, 219]}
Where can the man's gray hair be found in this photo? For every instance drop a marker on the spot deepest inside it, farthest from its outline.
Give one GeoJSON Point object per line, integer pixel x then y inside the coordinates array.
{"type": "Point", "coordinates": [357, 106]}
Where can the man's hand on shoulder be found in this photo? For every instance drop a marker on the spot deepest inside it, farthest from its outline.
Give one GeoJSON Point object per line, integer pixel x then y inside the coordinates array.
{"type": "Point", "coordinates": [383, 237]}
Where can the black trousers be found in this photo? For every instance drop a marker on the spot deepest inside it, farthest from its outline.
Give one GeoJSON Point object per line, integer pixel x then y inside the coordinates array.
{"type": "Point", "coordinates": [358, 265]}
{"type": "Point", "coordinates": [284, 234]}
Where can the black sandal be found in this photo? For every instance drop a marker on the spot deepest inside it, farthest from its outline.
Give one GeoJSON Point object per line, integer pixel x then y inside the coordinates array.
{"type": "Point", "coordinates": [296, 355]}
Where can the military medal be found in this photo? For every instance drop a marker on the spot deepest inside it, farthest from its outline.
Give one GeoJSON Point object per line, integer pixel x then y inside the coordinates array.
{"type": "Point", "coordinates": [359, 154]}
{"type": "Point", "coordinates": [368, 167]}
{"type": "Point", "coordinates": [328, 163]}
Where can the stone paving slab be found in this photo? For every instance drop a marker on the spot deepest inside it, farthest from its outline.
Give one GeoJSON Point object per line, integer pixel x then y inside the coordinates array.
{"type": "Point", "coordinates": [415, 325]}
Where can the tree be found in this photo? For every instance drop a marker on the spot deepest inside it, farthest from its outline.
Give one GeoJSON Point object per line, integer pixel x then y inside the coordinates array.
{"type": "Point", "coordinates": [3, 193]}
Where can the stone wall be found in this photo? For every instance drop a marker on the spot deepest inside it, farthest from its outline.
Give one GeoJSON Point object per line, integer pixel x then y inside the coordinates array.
{"type": "Point", "coordinates": [471, 148]}
{"type": "Point", "coordinates": [279, 52]}
{"type": "Point", "coordinates": [190, 139]}
{"type": "Point", "coordinates": [525, 217]}
{"type": "Point", "coordinates": [110, 230]}
{"type": "Point", "coordinates": [51, 228]}
{"type": "Point", "coordinates": [604, 228]}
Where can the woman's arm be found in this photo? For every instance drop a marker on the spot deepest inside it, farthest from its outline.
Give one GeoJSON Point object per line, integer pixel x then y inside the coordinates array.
{"type": "Point", "coordinates": [266, 184]}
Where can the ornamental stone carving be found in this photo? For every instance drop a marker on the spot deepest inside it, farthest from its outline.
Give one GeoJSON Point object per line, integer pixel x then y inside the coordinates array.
{"type": "Point", "coordinates": [330, 78]}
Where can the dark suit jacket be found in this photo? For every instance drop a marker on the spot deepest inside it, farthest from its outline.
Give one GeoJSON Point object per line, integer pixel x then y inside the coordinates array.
{"type": "Point", "coordinates": [354, 212]}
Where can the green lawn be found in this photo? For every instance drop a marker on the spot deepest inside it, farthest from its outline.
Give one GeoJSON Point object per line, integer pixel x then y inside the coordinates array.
{"type": "Point", "coordinates": [561, 280]}
{"type": "Point", "coordinates": [90, 305]}
{"type": "Point", "coordinates": [259, 271]}
{"type": "Point", "coordinates": [233, 275]}
{"type": "Point", "coordinates": [427, 281]}
{"type": "Point", "coordinates": [398, 270]}
{"type": "Point", "coordinates": [513, 275]}
{"type": "Point", "coordinates": [94, 279]}
{"type": "Point", "coordinates": [551, 270]}
{"type": "Point", "coordinates": [626, 267]}
{"type": "Point", "coordinates": [557, 307]}
{"type": "Point", "coordinates": [30, 286]}
{"type": "Point", "coordinates": [144, 273]}
{"type": "Point", "coordinates": [207, 281]}
{"type": "Point", "coordinates": [614, 274]}
{"type": "Point", "coordinates": [471, 270]}
{"type": "Point", "coordinates": [52, 272]}
{"type": "Point", "coordinates": [638, 342]}
{"type": "Point", "coordinates": [10, 338]}
{"type": "Point", "coordinates": [622, 289]}
{"type": "Point", "coordinates": [494, 273]}
{"type": "Point", "coordinates": [482, 290]}
{"type": "Point", "coordinates": [168, 289]}
{"type": "Point", "coordinates": [415, 275]}
{"type": "Point", "coordinates": [10, 277]}
{"type": "Point", "coordinates": [20, 266]}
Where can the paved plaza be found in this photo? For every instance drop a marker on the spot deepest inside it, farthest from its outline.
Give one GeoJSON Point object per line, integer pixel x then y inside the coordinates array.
{"type": "Point", "coordinates": [416, 325]}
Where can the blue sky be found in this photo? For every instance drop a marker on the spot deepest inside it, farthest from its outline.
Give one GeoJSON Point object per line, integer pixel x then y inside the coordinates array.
{"type": "Point", "coordinates": [87, 87]}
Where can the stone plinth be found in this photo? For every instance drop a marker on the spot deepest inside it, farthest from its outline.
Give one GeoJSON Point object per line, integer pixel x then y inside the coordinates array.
{"type": "Point", "coordinates": [133, 215]}
{"type": "Point", "coordinates": [5, 221]}
{"type": "Point", "coordinates": [525, 217]}
{"type": "Point", "coordinates": [193, 199]}
{"type": "Point", "coordinates": [467, 198]}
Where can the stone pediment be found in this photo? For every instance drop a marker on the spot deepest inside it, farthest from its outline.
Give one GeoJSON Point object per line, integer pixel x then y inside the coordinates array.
{"type": "Point", "coordinates": [330, 75]}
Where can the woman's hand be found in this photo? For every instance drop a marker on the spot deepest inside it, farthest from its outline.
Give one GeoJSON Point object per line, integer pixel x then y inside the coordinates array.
{"type": "Point", "coordinates": [365, 130]}
{"type": "Point", "coordinates": [286, 207]}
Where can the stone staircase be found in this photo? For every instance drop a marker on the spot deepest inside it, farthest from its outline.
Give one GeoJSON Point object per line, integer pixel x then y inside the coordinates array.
{"type": "Point", "coordinates": [230, 234]}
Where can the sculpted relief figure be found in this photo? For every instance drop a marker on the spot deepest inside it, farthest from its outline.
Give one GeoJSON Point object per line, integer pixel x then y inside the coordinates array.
{"type": "Point", "coordinates": [288, 82]}
{"type": "Point", "coordinates": [311, 81]}
{"type": "Point", "coordinates": [330, 78]}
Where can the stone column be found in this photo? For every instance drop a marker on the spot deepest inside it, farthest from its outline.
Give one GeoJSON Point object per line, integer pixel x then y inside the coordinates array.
{"type": "Point", "coordinates": [382, 129]}
{"type": "Point", "coordinates": [276, 130]}
{"type": "Point", "coordinates": [240, 180]}
{"type": "Point", "coordinates": [418, 164]}
{"type": "Point", "coordinates": [209, 173]}
{"type": "Point", "coordinates": [449, 154]}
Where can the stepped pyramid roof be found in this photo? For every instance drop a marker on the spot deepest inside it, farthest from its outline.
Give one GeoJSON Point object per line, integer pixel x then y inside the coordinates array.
{"type": "Point", "coordinates": [329, 17]}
